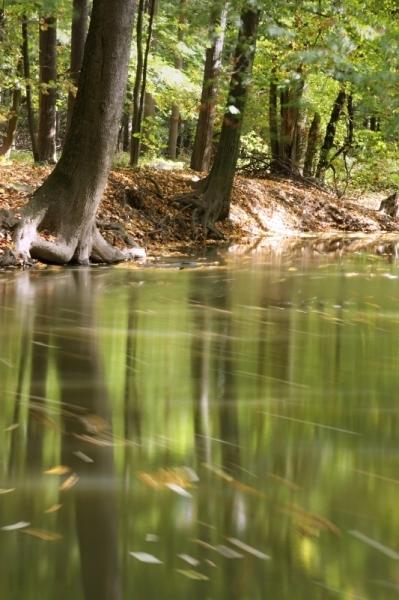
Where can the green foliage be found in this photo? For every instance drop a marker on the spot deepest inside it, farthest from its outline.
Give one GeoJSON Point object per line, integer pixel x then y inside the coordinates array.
{"type": "Point", "coordinates": [349, 42]}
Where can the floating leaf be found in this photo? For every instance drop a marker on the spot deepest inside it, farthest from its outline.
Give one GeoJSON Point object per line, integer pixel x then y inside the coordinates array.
{"type": "Point", "coordinates": [6, 491]}
{"type": "Point", "coordinates": [12, 427]}
{"type": "Point", "coordinates": [219, 472]}
{"type": "Point", "coordinates": [189, 559]}
{"type": "Point", "coordinates": [16, 526]}
{"type": "Point", "coordinates": [69, 483]}
{"type": "Point", "coordinates": [54, 508]}
{"type": "Point", "coordinates": [227, 552]}
{"type": "Point", "coordinates": [146, 558]}
{"type": "Point", "coordinates": [42, 534]}
{"type": "Point", "coordinates": [83, 457]}
{"type": "Point", "coordinates": [249, 549]}
{"type": "Point", "coordinates": [58, 470]}
{"type": "Point", "coordinates": [94, 423]}
{"type": "Point", "coordinates": [191, 574]}
{"type": "Point", "coordinates": [178, 490]}
{"type": "Point", "coordinates": [374, 544]}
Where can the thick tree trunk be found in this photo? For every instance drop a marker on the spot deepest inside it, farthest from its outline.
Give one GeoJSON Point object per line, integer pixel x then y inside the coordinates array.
{"type": "Point", "coordinates": [80, 20]}
{"type": "Point", "coordinates": [174, 123]}
{"type": "Point", "coordinates": [141, 82]}
{"type": "Point", "coordinates": [66, 204]}
{"type": "Point", "coordinates": [290, 100]}
{"type": "Point", "coordinates": [48, 94]}
{"type": "Point", "coordinates": [218, 185]}
{"type": "Point", "coordinates": [28, 88]}
{"type": "Point", "coordinates": [311, 148]}
{"type": "Point", "coordinates": [330, 135]}
{"type": "Point", "coordinates": [202, 151]}
{"type": "Point", "coordinates": [8, 139]}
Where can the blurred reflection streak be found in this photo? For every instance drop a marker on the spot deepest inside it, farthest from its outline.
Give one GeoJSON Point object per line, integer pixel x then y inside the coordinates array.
{"type": "Point", "coordinates": [200, 370]}
{"type": "Point", "coordinates": [95, 503]}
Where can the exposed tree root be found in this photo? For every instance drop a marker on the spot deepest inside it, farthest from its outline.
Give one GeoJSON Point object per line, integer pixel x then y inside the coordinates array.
{"type": "Point", "coordinates": [201, 213]}
{"type": "Point", "coordinates": [83, 245]}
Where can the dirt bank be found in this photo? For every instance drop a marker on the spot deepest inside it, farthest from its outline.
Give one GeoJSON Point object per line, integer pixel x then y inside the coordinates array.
{"type": "Point", "coordinates": [139, 206]}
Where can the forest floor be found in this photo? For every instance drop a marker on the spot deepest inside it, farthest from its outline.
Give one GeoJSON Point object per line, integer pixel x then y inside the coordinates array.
{"type": "Point", "coordinates": [138, 206]}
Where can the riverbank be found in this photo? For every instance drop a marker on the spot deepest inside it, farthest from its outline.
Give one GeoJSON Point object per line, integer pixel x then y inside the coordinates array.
{"type": "Point", "coordinates": [139, 208]}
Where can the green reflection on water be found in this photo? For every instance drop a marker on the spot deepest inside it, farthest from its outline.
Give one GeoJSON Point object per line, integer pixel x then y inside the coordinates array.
{"type": "Point", "coordinates": [272, 379]}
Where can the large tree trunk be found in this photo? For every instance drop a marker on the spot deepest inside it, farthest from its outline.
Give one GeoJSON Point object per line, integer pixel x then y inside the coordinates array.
{"type": "Point", "coordinates": [28, 88]}
{"type": "Point", "coordinates": [218, 185]}
{"type": "Point", "coordinates": [48, 94]}
{"type": "Point", "coordinates": [330, 135]}
{"type": "Point", "coordinates": [311, 148]}
{"type": "Point", "coordinates": [290, 99]}
{"type": "Point", "coordinates": [66, 204]}
{"type": "Point", "coordinates": [202, 151]}
{"type": "Point", "coordinates": [174, 124]}
{"type": "Point", "coordinates": [80, 19]}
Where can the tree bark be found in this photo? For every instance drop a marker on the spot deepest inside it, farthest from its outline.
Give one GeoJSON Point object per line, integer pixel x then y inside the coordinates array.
{"type": "Point", "coordinates": [290, 99]}
{"type": "Point", "coordinates": [134, 149]}
{"type": "Point", "coordinates": [8, 139]}
{"type": "Point", "coordinates": [218, 185]}
{"type": "Point", "coordinates": [66, 204]}
{"type": "Point", "coordinates": [202, 151]}
{"type": "Point", "coordinates": [28, 88]}
{"type": "Point", "coordinates": [273, 122]}
{"type": "Point", "coordinates": [48, 94]}
{"type": "Point", "coordinates": [311, 148]}
{"type": "Point", "coordinates": [175, 114]}
{"type": "Point", "coordinates": [141, 80]}
{"type": "Point", "coordinates": [330, 135]}
{"type": "Point", "coordinates": [80, 19]}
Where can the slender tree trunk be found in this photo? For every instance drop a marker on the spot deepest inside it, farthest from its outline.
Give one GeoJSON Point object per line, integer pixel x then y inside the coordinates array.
{"type": "Point", "coordinates": [202, 151]}
{"type": "Point", "coordinates": [175, 114]}
{"type": "Point", "coordinates": [28, 88]}
{"type": "Point", "coordinates": [351, 122]}
{"type": "Point", "coordinates": [273, 122]}
{"type": "Point", "coordinates": [8, 139]}
{"type": "Point", "coordinates": [126, 131]}
{"type": "Point", "coordinates": [141, 79]}
{"type": "Point", "coordinates": [219, 183]}
{"type": "Point", "coordinates": [80, 20]}
{"type": "Point", "coordinates": [134, 147]}
{"type": "Point", "coordinates": [48, 94]}
{"type": "Point", "coordinates": [330, 135]}
{"type": "Point", "coordinates": [311, 148]}
{"type": "Point", "coordinates": [66, 204]}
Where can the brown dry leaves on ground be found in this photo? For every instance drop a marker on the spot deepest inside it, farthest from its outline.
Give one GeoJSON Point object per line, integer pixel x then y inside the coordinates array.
{"type": "Point", "coordinates": [139, 206]}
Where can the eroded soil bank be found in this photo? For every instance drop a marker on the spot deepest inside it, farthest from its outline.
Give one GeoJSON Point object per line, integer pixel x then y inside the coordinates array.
{"type": "Point", "coordinates": [139, 207]}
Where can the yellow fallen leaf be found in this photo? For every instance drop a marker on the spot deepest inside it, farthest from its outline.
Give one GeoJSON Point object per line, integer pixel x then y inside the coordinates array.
{"type": "Point", "coordinates": [53, 508]}
{"type": "Point", "coordinates": [6, 491]}
{"type": "Point", "coordinates": [58, 470]}
{"type": "Point", "coordinates": [42, 534]}
{"type": "Point", "coordinates": [12, 427]}
{"type": "Point", "coordinates": [192, 574]}
{"type": "Point", "coordinates": [69, 483]}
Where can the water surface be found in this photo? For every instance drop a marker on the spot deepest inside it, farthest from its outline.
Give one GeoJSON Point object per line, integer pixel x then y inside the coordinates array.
{"type": "Point", "coordinates": [234, 424]}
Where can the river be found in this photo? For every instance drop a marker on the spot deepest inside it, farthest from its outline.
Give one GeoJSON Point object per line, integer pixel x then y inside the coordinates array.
{"type": "Point", "coordinates": [219, 428]}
